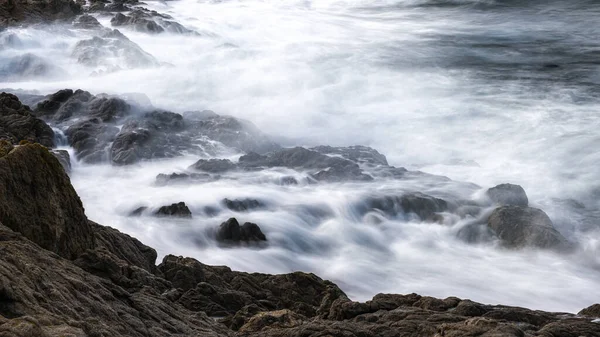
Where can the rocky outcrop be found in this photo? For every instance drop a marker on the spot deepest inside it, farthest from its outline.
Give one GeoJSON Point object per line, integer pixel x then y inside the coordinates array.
{"type": "Point", "coordinates": [106, 283]}
{"type": "Point", "coordinates": [143, 20]}
{"type": "Point", "coordinates": [519, 227]}
{"type": "Point", "coordinates": [243, 205]}
{"type": "Point", "coordinates": [507, 195]}
{"type": "Point", "coordinates": [112, 51]}
{"type": "Point", "coordinates": [231, 232]}
{"type": "Point", "coordinates": [51, 214]}
{"type": "Point", "coordinates": [359, 154]}
{"type": "Point", "coordinates": [86, 22]}
{"type": "Point", "coordinates": [425, 207]}
{"type": "Point", "coordinates": [214, 165]}
{"type": "Point", "coordinates": [18, 123]}
{"type": "Point", "coordinates": [179, 210]}
{"type": "Point", "coordinates": [40, 11]}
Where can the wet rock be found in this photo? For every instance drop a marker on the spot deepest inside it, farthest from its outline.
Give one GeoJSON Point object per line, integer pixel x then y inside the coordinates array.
{"type": "Point", "coordinates": [272, 319]}
{"type": "Point", "coordinates": [321, 167]}
{"type": "Point", "coordinates": [63, 158]}
{"type": "Point", "coordinates": [235, 133]}
{"type": "Point", "coordinates": [112, 51]}
{"type": "Point", "coordinates": [43, 11]}
{"type": "Point", "coordinates": [230, 231]}
{"type": "Point", "coordinates": [138, 211]}
{"type": "Point", "coordinates": [179, 210]}
{"type": "Point", "coordinates": [58, 223]}
{"type": "Point", "coordinates": [28, 66]}
{"type": "Point", "coordinates": [90, 139]}
{"type": "Point", "coordinates": [519, 227]}
{"type": "Point", "coordinates": [424, 206]}
{"type": "Point", "coordinates": [214, 165]}
{"type": "Point", "coordinates": [10, 40]}
{"type": "Point", "coordinates": [287, 181]}
{"type": "Point", "coordinates": [17, 123]}
{"type": "Point", "coordinates": [243, 205]}
{"type": "Point", "coordinates": [67, 104]}
{"type": "Point", "coordinates": [136, 22]}
{"type": "Point", "coordinates": [86, 22]}
{"type": "Point", "coordinates": [508, 194]}
{"type": "Point", "coordinates": [182, 178]}
{"type": "Point", "coordinates": [592, 311]}
{"type": "Point", "coordinates": [156, 135]}
{"type": "Point", "coordinates": [359, 154]}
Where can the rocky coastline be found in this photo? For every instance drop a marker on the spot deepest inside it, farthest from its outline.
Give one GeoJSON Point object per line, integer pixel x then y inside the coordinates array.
{"type": "Point", "coordinates": [62, 274]}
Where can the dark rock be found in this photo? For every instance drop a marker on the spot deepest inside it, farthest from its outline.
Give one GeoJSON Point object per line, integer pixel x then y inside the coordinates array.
{"type": "Point", "coordinates": [51, 214]}
{"type": "Point", "coordinates": [43, 11]}
{"type": "Point", "coordinates": [230, 231]}
{"type": "Point", "coordinates": [592, 311]}
{"type": "Point", "coordinates": [18, 123]}
{"type": "Point", "coordinates": [63, 158]}
{"type": "Point", "coordinates": [520, 227]}
{"type": "Point", "coordinates": [156, 135]}
{"type": "Point", "coordinates": [175, 178]}
{"type": "Point", "coordinates": [508, 194]}
{"type": "Point", "coordinates": [214, 165]}
{"type": "Point", "coordinates": [279, 319]}
{"type": "Point", "coordinates": [422, 205]}
{"type": "Point", "coordinates": [136, 22]}
{"type": "Point", "coordinates": [86, 22]}
{"type": "Point", "coordinates": [28, 66]}
{"type": "Point", "coordinates": [66, 104]}
{"type": "Point", "coordinates": [5, 147]}
{"type": "Point", "coordinates": [90, 139]}
{"type": "Point", "coordinates": [321, 167]}
{"type": "Point", "coordinates": [358, 154]}
{"type": "Point", "coordinates": [286, 181]}
{"type": "Point", "coordinates": [102, 51]}
{"type": "Point", "coordinates": [179, 210]}
{"type": "Point", "coordinates": [243, 205]}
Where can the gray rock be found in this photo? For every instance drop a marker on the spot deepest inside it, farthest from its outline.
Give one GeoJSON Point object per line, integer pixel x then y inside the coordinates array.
{"type": "Point", "coordinates": [28, 66]}
{"type": "Point", "coordinates": [18, 123]}
{"type": "Point", "coordinates": [508, 194]}
{"type": "Point", "coordinates": [86, 22]}
{"type": "Point", "coordinates": [424, 206]}
{"type": "Point", "coordinates": [179, 210]}
{"type": "Point", "coordinates": [214, 165]}
{"type": "Point", "coordinates": [63, 158]}
{"type": "Point", "coordinates": [358, 154]}
{"type": "Point", "coordinates": [520, 227]}
{"type": "Point", "coordinates": [243, 205]}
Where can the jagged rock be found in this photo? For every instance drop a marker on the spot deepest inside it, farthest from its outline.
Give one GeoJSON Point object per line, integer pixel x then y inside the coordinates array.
{"type": "Point", "coordinates": [519, 227]}
{"type": "Point", "coordinates": [90, 139]}
{"type": "Point", "coordinates": [66, 104]}
{"type": "Point", "coordinates": [86, 22]}
{"type": "Point", "coordinates": [5, 147]}
{"type": "Point", "coordinates": [63, 158]}
{"type": "Point", "coordinates": [508, 194]}
{"type": "Point", "coordinates": [213, 165]}
{"type": "Point", "coordinates": [424, 206]}
{"type": "Point", "coordinates": [175, 178]}
{"type": "Point", "coordinates": [179, 210]}
{"type": "Point", "coordinates": [321, 167]}
{"type": "Point", "coordinates": [284, 318]}
{"type": "Point", "coordinates": [28, 66]}
{"type": "Point", "coordinates": [51, 215]}
{"type": "Point", "coordinates": [243, 205]}
{"type": "Point", "coordinates": [42, 11]}
{"type": "Point", "coordinates": [136, 22]}
{"type": "Point", "coordinates": [157, 135]}
{"type": "Point", "coordinates": [592, 311]}
{"type": "Point", "coordinates": [112, 51]}
{"type": "Point", "coordinates": [358, 154]}
{"type": "Point", "coordinates": [230, 231]}
{"type": "Point", "coordinates": [236, 133]}
{"type": "Point", "coordinates": [18, 123]}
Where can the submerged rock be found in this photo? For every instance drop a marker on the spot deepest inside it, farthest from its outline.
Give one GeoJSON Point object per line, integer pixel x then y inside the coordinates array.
{"type": "Point", "coordinates": [214, 165]}
{"type": "Point", "coordinates": [519, 227]}
{"type": "Point", "coordinates": [18, 123]}
{"type": "Point", "coordinates": [508, 194]}
{"type": "Point", "coordinates": [243, 205]}
{"type": "Point", "coordinates": [424, 206]}
{"type": "Point", "coordinates": [357, 153]}
{"type": "Point", "coordinates": [179, 210]}
{"type": "Point", "coordinates": [28, 66]}
{"type": "Point", "coordinates": [86, 22]}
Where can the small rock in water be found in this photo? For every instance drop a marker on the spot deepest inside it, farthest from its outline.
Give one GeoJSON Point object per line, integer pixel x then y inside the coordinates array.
{"type": "Point", "coordinates": [214, 165]}
{"type": "Point", "coordinates": [175, 210]}
{"type": "Point", "coordinates": [243, 205]}
{"type": "Point", "coordinates": [138, 211]}
{"type": "Point", "coordinates": [230, 231]}
{"type": "Point", "coordinates": [508, 194]}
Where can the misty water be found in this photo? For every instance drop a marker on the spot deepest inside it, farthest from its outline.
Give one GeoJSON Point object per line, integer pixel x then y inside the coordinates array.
{"type": "Point", "coordinates": [485, 92]}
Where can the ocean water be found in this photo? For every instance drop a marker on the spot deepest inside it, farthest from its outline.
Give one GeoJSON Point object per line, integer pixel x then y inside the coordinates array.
{"type": "Point", "coordinates": [485, 92]}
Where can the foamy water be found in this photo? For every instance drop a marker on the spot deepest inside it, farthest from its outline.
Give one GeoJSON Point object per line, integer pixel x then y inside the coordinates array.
{"type": "Point", "coordinates": [480, 91]}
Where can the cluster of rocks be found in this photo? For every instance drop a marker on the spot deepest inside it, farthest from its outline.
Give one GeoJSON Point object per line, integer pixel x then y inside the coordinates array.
{"type": "Point", "coordinates": [108, 128]}
{"type": "Point", "coordinates": [63, 275]}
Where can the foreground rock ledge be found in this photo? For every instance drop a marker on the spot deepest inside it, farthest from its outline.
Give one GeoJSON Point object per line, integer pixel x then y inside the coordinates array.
{"type": "Point", "coordinates": [63, 275]}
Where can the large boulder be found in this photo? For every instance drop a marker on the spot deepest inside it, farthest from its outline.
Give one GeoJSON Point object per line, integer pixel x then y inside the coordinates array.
{"type": "Point", "coordinates": [425, 207]}
{"type": "Point", "coordinates": [152, 22]}
{"type": "Point", "coordinates": [18, 123]}
{"type": "Point", "coordinates": [508, 194]}
{"type": "Point", "coordinates": [39, 11]}
{"type": "Point", "coordinates": [51, 214]}
{"type": "Point", "coordinates": [90, 139]}
{"type": "Point", "coordinates": [519, 227]}
{"type": "Point", "coordinates": [179, 210]}
{"type": "Point", "coordinates": [231, 232]}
